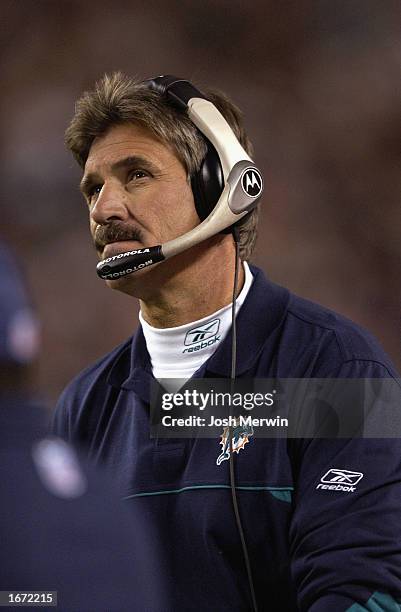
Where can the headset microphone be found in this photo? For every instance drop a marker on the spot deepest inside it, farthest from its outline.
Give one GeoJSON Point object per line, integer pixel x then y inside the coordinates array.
{"type": "Point", "coordinates": [227, 173]}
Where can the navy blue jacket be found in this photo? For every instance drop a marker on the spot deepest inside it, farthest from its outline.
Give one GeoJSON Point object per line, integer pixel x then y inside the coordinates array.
{"type": "Point", "coordinates": [310, 548]}
{"type": "Point", "coordinates": [57, 536]}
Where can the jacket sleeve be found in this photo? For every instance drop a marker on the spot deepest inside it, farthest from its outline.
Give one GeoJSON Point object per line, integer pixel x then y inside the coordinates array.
{"type": "Point", "coordinates": [345, 533]}
{"type": "Point", "coordinates": [60, 425]}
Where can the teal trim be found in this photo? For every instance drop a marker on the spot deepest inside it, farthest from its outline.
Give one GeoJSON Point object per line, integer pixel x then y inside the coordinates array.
{"type": "Point", "coordinates": [379, 602]}
{"type": "Point", "coordinates": [282, 493]}
{"type": "Point", "coordinates": [285, 496]}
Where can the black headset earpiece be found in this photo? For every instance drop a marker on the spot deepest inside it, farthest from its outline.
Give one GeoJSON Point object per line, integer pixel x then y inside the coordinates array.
{"type": "Point", "coordinates": [207, 184]}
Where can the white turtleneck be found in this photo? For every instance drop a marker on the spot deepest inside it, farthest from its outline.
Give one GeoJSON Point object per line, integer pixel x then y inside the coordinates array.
{"type": "Point", "coordinates": [177, 352]}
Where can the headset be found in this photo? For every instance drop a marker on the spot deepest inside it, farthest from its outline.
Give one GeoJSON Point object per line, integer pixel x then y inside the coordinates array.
{"type": "Point", "coordinates": [226, 188]}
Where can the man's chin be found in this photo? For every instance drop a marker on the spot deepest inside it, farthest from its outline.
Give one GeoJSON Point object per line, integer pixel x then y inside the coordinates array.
{"type": "Point", "coordinates": [130, 283]}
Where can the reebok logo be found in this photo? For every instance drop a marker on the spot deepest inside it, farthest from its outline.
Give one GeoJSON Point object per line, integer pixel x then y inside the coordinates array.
{"type": "Point", "coordinates": [340, 480]}
{"type": "Point", "coordinates": [203, 332]}
{"type": "Point", "coordinates": [202, 336]}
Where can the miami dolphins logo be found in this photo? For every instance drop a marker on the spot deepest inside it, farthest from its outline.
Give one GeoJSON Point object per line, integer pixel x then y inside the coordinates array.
{"type": "Point", "coordinates": [240, 435]}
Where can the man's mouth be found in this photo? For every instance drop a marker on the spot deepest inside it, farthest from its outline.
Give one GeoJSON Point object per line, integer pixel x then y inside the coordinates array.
{"type": "Point", "coordinates": [114, 248]}
{"type": "Point", "coordinates": [116, 238]}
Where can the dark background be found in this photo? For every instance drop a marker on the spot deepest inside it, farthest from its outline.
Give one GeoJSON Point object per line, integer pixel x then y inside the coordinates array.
{"type": "Point", "coordinates": [319, 83]}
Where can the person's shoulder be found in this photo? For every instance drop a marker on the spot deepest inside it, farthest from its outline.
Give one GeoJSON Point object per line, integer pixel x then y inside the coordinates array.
{"type": "Point", "coordinates": [90, 388]}
{"type": "Point", "coordinates": [350, 340]}
{"type": "Point", "coordinates": [305, 339]}
{"type": "Point", "coordinates": [100, 370]}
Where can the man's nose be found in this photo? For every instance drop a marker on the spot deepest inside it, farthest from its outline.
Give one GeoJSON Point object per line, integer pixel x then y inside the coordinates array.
{"type": "Point", "coordinates": [110, 205]}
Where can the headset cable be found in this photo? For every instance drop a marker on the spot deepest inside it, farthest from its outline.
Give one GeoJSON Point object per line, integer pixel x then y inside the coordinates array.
{"type": "Point", "coordinates": [235, 233]}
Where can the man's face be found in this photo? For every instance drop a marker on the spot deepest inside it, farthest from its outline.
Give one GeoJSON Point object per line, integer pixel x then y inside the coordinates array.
{"type": "Point", "coordinates": [137, 193]}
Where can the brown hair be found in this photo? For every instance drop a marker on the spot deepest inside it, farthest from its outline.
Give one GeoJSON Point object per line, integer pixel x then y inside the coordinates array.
{"type": "Point", "coordinates": [119, 99]}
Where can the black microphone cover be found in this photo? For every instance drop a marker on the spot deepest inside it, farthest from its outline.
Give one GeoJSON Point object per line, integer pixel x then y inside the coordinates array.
{"type": "Point", "coordinates": [131, 261]}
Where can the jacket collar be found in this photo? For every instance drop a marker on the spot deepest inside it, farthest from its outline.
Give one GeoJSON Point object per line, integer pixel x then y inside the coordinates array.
{"type": "Point", "coordinates": [261, 313]}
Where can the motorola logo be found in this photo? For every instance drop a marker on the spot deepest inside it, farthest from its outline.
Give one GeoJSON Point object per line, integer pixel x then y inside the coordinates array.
{"type": "Point", "coordinates": [252, 182]}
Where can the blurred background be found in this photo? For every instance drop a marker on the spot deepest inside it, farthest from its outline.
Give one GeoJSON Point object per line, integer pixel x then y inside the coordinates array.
{"type": "Point", "coordinates": [319, 85]}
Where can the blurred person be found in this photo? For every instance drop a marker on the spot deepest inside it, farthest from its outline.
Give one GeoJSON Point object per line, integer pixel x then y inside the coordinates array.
{"type": "Point", "coordinates": [62, 527]}
{"type": "Point", "coordinates": [156, 162]}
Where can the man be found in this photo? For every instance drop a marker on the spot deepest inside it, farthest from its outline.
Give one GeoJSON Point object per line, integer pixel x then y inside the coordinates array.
{"type": "Point", "coordinates": [308, 547]}
{"type": "Point", "coordinates": [62, 527]}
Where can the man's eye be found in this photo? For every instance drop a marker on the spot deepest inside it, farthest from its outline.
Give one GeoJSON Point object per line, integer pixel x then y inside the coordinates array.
{"type": "Point", "coordinates": [137, 174]}
{"type": "Point", "coordinates": [94, 192]}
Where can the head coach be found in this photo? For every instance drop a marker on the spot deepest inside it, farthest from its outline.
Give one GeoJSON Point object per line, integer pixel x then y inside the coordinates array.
{"type": "Point", "coordinates": [173, 195]}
